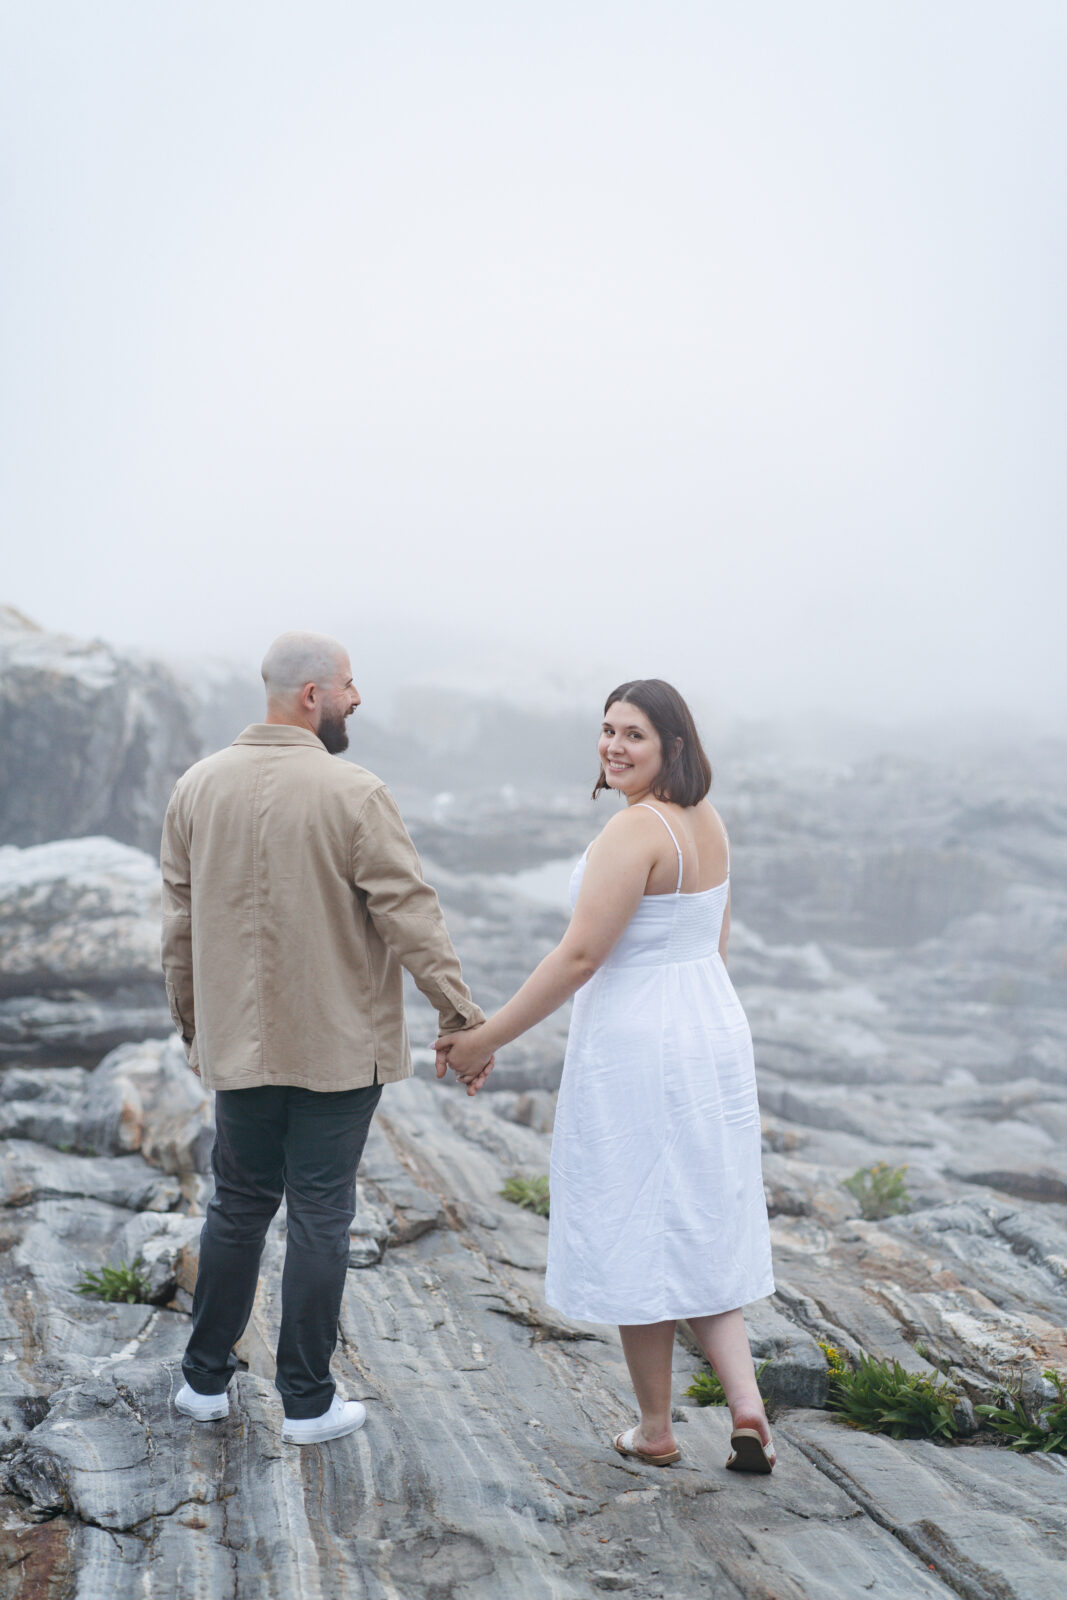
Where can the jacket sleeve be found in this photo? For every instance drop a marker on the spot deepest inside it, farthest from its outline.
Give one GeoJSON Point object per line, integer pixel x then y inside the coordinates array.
{"type": "Point", "coordinates": [405, 910]}
{"type": "Point", "coordinates": [177, 924]}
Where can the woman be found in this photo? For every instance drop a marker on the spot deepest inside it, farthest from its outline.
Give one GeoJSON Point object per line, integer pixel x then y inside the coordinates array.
{"type": "Point", "coordinates": [657, 1206]}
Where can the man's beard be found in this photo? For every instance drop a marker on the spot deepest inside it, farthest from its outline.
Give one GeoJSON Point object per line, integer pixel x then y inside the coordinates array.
{"type": "Point", "coordinates": [334, 734]}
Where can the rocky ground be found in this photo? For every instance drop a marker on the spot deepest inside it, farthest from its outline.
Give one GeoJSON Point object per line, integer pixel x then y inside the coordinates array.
{"type": "Point", "coordinates": [485, 1467]}
{"type": "Point", "coordinates": [900, 943]}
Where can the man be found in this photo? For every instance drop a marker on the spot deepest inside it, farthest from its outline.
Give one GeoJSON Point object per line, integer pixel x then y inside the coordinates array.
{"type": "Point", "coordinates": [292, 895]}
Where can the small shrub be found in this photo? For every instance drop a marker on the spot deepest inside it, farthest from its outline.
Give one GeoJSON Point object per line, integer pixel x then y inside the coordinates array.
{"type": "Point", "coordinates": [835, 1361]}
{"type": "Point", "coordinates": [880, 1191]}
{"type": "Point", "coordinates": [880, 1397]}
{"type": "Point", "coordinates": [1009, 1418]}
{"type": "Point", "coordinates": [706, 1389]}
{"type": "Point", "coordinates": [530, 1193]}
{"type": "Point", "coordinates": [126, 1282]}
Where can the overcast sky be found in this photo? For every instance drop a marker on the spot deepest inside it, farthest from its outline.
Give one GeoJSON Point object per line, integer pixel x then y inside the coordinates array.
{"type": "Point", "coordinates": [546, 343]}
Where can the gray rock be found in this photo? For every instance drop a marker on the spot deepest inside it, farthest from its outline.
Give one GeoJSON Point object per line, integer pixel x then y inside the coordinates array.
{"type": "Point", "coordinates": [31, 1172]}
{"type": "Point", "coordinates": [57, 1125]}
{"type": "Point", "coordinates": [144, 1097]}
{"type": "Point", "coordinates": [795, 1374]}
{"type": "Point", "coordinates": [371, 1231]}
{"type": "Point", "coordinates": [63, 1085]}
{"type": "Point", "coordinates": [76, 1027]}
{"type": "Point", "coordinates": [77, 912]}
{"type": "Point", "coordinates": [535, 1108]}
{"type": "Point", "coordinates": [486, 1464]}
{"type": "Point", "coordinates": [158, 1242]}
{"type": "Point", "coordinates": [1029, 1182]}
{"type": "Point", "coordinates": [959, 1511]}
{"type": "Point", "coordinates": [100, 738]}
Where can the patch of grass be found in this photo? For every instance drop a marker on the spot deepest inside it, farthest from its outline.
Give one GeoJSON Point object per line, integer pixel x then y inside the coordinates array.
{"type": "Point", "coordinates": [880, 1397]}
{"type": "Point", "coordinates": [1009, 1418]}
{"type": "Point", "coordinates": [706, 1389]}
{"type": "Point", "coordinates": [126, 1282]}
{"type": "Point", "coordinates": [880, 1190]}
{"type": "Point", "coordinates": [530, 1193]}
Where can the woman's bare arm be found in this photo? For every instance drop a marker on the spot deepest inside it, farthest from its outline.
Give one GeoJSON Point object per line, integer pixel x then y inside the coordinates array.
{"type": "Point", "coordinates": [616, 876]}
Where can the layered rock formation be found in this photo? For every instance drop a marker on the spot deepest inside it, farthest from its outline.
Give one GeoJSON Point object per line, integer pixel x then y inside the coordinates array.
{"type": "Point", "coordinates": [92, 740]}
{"type": "Point", "coordinates": [79, 951]}
{"type": "Point", "coordinates": [485, 1468]}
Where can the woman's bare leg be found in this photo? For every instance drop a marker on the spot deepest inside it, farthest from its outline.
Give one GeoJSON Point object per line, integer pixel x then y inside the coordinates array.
{"type": "Point", "coordinates": [648, 1348]}
{"type": "Point", "coordinates": [724, 1340]}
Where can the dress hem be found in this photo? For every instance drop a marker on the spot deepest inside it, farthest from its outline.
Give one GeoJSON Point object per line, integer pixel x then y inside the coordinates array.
{"type": "Point", "coordinates": [634, 1319]}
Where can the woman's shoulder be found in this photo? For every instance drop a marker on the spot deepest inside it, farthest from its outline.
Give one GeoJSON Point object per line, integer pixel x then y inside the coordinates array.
{"type": "Point", "coordinates": [632, 827]}
{"type": "Point", "coordinates": [635, 819]}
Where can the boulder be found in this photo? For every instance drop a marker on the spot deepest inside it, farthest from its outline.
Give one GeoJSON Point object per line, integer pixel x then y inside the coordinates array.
{"type": "Point", "coordinates": [100, 736]}
{"type": "Point", "coordinates": [79, 951]}
{"type": "Point", "coordinates": [144, 1097]}
{"type": "Point", "coordinates": [78, 914]}
{"type": "Point", "coordinates": [76, 1027]}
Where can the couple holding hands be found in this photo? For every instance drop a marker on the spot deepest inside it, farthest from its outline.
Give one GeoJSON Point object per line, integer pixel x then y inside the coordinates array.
{"type": "Point", "coordinates": [292, 898]}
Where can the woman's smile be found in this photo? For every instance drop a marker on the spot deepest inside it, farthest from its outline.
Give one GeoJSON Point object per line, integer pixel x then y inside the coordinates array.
{"type": "Point", "coordinates": [630, 750]}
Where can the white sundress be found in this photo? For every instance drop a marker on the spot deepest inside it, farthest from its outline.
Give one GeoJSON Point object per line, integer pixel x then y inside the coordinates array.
{"type": "Point", "coordinates": [657, 1204]}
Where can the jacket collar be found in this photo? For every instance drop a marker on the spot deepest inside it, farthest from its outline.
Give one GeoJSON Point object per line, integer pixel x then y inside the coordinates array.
{"type": "Point", "coordinates": [280, 733]}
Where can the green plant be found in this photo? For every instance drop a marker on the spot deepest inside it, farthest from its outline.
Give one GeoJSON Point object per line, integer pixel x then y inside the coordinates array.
{"type": "Point", "coordinates": [835, 1361]}
{"type": "Point", "coordinates": [880, 1191]}
{"type": "Point", "coordinates": [1009, 1418]}
{"type": "Point", "coordinates": [880, 1397]}
{"type": "Point", "coordinates": [530, 1193]}
{"type": "Point", "coordinates": [706, 1389]}
{"type": "Point", "coordinates": [126, 1282]}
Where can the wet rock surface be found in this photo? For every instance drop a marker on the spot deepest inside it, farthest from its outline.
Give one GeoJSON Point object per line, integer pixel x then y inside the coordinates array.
{"type": "Point", "coordinates": [895, 1022]}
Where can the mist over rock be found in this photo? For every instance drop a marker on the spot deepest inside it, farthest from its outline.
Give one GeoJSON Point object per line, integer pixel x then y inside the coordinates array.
{"type": "Point", "coordinates": [92, 739]}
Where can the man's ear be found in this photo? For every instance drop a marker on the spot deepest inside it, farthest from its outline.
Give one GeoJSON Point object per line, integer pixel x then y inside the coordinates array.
{"type": "Point", "coordinates": [309, 697]}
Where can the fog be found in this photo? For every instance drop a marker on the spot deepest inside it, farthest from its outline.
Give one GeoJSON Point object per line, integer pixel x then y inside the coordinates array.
{"type": "Point", "coordinates": [529, 348]}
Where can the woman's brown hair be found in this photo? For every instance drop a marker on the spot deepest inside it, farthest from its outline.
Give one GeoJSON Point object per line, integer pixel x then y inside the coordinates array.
{"type": "Point", "coordinates": [685, 776]}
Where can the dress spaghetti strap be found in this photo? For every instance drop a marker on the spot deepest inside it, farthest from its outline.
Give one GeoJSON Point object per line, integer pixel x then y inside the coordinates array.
{"type": "Point", "coordinates": [670, 830]}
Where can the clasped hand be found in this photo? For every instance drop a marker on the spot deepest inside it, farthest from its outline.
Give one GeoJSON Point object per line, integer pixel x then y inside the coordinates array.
{"type": "Point", "coordinates": [468, 1060]}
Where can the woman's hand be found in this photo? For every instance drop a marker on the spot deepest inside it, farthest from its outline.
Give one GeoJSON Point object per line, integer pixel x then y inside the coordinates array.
{"type": "Point", "coordinates": [468, 1058]}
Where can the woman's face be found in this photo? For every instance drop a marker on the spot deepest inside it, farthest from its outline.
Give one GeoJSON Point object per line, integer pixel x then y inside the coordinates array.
{"type": "Point", "coordinates": [630, 750]}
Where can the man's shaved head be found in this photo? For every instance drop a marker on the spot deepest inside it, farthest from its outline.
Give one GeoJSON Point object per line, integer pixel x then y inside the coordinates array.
{"type": "Point", "coordinates": [309, 685]}
{"type": "Point", "coordinates": [296, 659]}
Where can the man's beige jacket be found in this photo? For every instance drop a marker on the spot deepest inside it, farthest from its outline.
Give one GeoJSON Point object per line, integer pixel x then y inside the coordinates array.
{"type": "Point", "coordinates": [292, 895]}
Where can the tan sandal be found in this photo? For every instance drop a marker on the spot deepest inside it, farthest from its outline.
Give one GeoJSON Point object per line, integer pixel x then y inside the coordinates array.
{"type": "Point", "coordinates": [750, 1454]}
{"type": "Point", "coordinates": [624, 1444]}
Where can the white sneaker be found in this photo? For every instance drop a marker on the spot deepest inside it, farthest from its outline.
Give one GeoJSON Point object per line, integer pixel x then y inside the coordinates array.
{"type": "Point", "coordinates": [344, 1416]}
{"type": "Point", "coordinates": [202, 1407]}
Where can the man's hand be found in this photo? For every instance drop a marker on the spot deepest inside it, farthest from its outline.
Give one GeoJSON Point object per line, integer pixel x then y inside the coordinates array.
{"type": "Point", "coordinates": [467, 1058]}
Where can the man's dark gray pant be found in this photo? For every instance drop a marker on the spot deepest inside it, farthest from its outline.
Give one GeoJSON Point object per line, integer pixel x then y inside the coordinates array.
{"type": "Point", "coordinates": [270, 1142]}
